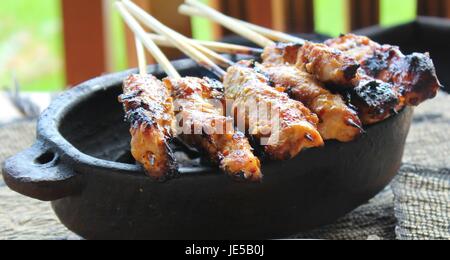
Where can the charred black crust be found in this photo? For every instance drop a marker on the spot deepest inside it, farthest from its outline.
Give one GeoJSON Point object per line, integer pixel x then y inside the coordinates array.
{"type": "Point", "coordinates": [284, 45]}
{"type": "Point", "coordinates": [377, 95]}
{"type": "Point", "coordinates": [258, 148]}
{"type": "Point", "coordinates": [426, 83]}
{"type": "Point", "coordinates": [172, 164]}
{"type": "Point", "coordinates": [130, 96]}
{"type": "Point", "coordinates": [214, 84]}
{"type": "Point", "coordinates": [138, 117]}
{"type": "Point", "coordinates": [350, 71]}
{"type": "Point", "coordinates": [377, 63]}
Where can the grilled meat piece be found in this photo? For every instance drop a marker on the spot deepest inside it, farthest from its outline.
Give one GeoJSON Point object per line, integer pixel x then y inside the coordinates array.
{"type": "Point", "coordinates": [149, 108]}
{"type": "Point", "coordinates": [337, 120]}
{"type": "Point", "coordinates": [288, 126]}
{"type": "Point", "coordinates": [358, 47]}
{"type": "Point", "coordinates": [412, 76]}
{"type": "Point", "coordinates": [375, 100]}
{"type": "Point", "coordinates": [326, 64]}
{"type": "Point", "coordinates": [203, 125]}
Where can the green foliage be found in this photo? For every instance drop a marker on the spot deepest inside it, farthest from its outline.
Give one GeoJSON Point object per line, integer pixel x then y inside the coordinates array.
{"type": "Point", "coordinates": [31, 44]}
{"type": "Point", "coordinates": [397, 11]}
{"type": "Point", "coordinates": [329, 16]}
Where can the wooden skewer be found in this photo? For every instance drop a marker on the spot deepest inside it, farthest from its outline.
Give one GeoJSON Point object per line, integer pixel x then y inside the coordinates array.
{"type": "Point", "coordinates": [214, 56]}
{"type": "Point", "coordinates": [142, 60]}
{"type": "Point", "coordinates": [231, 24]}
{"type": "Point", "coordinates": [269, 33]}
{"type": "Point", "coordinates": [150, 45]}
{"type": "Point", "coordinates": [215, 46]}
{"type": "Point", "coordinates": [180, 41]}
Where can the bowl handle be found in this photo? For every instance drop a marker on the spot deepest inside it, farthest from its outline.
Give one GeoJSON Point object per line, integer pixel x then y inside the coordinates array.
{"type": "Point", "coordinates": [39, 173]}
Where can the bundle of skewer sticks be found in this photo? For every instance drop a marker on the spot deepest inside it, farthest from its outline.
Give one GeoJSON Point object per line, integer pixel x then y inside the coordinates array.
{"type": "Point", "coordinates": [294, 80]}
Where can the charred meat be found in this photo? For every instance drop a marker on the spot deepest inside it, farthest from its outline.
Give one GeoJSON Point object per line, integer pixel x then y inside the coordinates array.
{"type": "Point", "coordinates": [202, 124]}
{"type": "Point", "coordinates": [375, 100]}
{"type": "Point", "coordinates": [149, 108]}
{"type": "Point", "coordinates": [328, 65]}
{"type": "Point", "coordinates": [288, 126]}
{"type": "Point", "coordinates": [412, 76]}
{"type": "Point", "coordinates": [337, 120]}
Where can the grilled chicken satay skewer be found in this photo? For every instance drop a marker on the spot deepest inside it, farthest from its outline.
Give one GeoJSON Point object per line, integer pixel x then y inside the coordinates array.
{"type": "Point", "coordinates": [337, 120]}
{"type": "Point", "coordinates": [149, 108]}
{"type": "Point", "coordinates": [328, 65]}
{"type": "Point", "coordinates": [296, 128]}
{"type": "Point", "coordinates": [225, 146]}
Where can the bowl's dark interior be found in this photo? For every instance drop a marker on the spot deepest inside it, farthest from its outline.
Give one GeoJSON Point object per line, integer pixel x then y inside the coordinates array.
{"type": "Point", "coordinates": [97, 128]}
{"type": "Point", "coordinates": [96, 125]}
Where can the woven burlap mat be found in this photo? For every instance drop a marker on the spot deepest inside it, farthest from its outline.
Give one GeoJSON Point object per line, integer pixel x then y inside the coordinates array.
{"type": "Point", "coordinates": [415, 206]}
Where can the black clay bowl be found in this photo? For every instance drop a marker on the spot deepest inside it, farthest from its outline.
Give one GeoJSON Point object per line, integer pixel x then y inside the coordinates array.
{"type": "Point", "coordinates": [82, 138]}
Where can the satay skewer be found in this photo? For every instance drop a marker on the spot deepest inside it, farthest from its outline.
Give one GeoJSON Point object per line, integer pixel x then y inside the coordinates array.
{"type": "Point", "coordinates": [148, 107]}
{"type": "Point", "coordinates": [142, 60]}
{"type": "Point", "coordinates": [219, 47]}
{"type": "Point", "coordinates": [150, 45]}
{"type": "Point", "coordinates": [269, 33]}
{"type": "Point", "coordinates": [232, 24]}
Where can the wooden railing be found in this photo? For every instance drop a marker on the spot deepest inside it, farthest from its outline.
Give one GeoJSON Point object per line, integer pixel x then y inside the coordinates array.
{"type": "Point", "coordinates": [84, 28]}
{"type": "Point", "coordinates": [439, 8]}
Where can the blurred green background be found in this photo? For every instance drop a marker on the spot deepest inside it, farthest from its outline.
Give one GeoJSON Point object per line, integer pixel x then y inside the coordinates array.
{"type": "Point", "coordinates": [31, 40]}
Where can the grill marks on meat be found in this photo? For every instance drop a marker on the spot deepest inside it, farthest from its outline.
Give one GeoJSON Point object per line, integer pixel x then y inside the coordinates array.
{"type": "Point", "coordinates": [205, 126]}
{"type": "Point", "coordinates": [289, 131]}
{"type": "Point", "coordinates": [358, 47]}
{"type": "Point", "coordinates": [328, 65]}
{"type": "Point", "coordinates": [337, 120]}
{"type": "Point", "coordinates": [149, 109]}
{"type": "Point", "coordinates": [413, 76]}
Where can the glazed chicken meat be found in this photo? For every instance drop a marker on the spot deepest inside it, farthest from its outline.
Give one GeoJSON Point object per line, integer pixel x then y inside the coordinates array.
{"type": "Point", "coordinates": [149, 108]}
{"type": "Point", "coordinates": [290, 126]}
{"type": "Point", "coordinates": [156, 119]}
{"type": "Point", "coordinates": [337, 121]}
{"type": "Point", "coordinates": [202, 124]}
{"type": "Point", "coordinates": [328, 65]}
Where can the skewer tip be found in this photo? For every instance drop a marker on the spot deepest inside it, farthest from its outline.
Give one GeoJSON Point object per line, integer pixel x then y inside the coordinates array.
{"type": "Point", "coordinates": [352, 123]}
